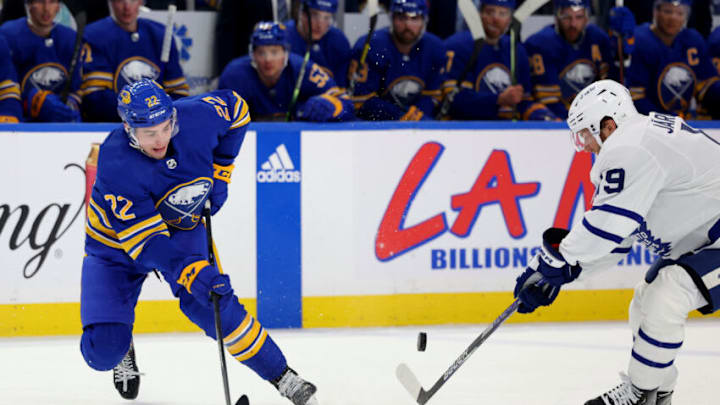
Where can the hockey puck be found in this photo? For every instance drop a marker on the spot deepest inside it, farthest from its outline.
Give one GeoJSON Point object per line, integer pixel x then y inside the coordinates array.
{"type": "Point", "coordinates": [421, 341]}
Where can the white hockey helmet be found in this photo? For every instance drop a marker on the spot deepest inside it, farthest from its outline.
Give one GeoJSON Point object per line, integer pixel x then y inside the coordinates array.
{"type": "Point", "coordinates": [604, 98]}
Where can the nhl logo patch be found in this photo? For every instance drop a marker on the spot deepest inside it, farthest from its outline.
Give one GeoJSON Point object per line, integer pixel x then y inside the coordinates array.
{"type": "Point", "coordinates": [171, 163]}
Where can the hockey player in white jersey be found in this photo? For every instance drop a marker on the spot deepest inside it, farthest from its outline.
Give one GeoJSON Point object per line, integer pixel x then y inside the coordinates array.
{"type": "Point", "coordinates": [657, 181]}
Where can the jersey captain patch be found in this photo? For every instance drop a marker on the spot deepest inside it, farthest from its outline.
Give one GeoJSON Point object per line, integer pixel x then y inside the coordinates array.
{"type": "Point", "coordinates": [181, 207]}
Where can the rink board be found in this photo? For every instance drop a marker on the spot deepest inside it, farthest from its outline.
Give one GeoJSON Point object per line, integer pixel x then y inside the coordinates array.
{"type": "Point", "coordinates": [327, 225]}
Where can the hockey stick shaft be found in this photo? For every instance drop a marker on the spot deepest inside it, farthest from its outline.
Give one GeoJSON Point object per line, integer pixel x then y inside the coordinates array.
{"type": "Point", "coordinates": [303, 67]}
{"type": "Point", "coordinates": [80, 21]}
{"type": "Point", "coordinates": [216, 305]}
{"type": "Point", "coordinates": [410, 381]}
{"type": "Point", "coordinates": [363, 56]}
{"type": "Point", "coordinates": [165, 50]}
{"type": "Point", "coordinates": [621, 56]}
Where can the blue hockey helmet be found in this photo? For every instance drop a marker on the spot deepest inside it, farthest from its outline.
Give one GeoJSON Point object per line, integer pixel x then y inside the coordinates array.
{"type": "Point", "coordinates": [574, 4]}
{"type": "Point", "coordinates": [269, 33]}
{"type": "Point", "coordinates": [502, 3]}
{"type": "Point", "coordinates": [144, 104]}
{"type": "Point", "coordinates": [329, 6]}
{"type": "Point", "coordinates": [410, 7]}
{"type": "Point", "coordinates": [676, 2]}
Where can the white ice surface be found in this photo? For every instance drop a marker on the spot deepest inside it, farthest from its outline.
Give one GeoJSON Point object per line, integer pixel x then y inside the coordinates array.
{"type": "Point", "coordinates": [554, 364]}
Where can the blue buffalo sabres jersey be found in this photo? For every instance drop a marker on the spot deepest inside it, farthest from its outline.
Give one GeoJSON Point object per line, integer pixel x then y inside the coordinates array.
{"type": "Point", "coordinates": [477, 99]}
{"type": "Point", "coordinates": [666, 78]}
{"type": "Point", "coordinates": [41, 63]}
{"type": "Point", "coordinates": [559, 70]}
{"type": "Point", "coordinates": [113, 57]}
{"type": "Point", "coordinates": [137, 198]}
{"type": "Point", "coordinates": [714, 48]}
{"type": "Point", "coordinates": [390, 84]}
{"type": "Point", "coordinates": [10, 107]}
{"type": "Point", "coordinates": [331, 52]}
{"type": "Point", "coordinates": [270, 104]}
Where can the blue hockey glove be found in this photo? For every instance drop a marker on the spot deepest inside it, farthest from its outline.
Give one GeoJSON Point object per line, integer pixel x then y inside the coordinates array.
{"type": "Point", "coordinates": [218, 196]}
{"type": "Point", "coordinates": [550, 263]}
{"type": "Point", "coordinates": [533, 291]}
{"type": "Point", "coordinates": [622, 24]}
{"type": "Point", "coordinates": [322, 108]}
{"type": "Point", "coordinates": [202, 278]}
{"type": "Point", "coordinates": [46, 106]}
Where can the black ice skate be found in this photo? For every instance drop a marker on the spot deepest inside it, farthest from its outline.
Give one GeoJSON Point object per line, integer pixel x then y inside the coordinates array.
{"type": "Point", "coordinates": [127, 376]}
{"type": "Point", "coordinates": [294, 388]}
{"type": "Point", "coordinates": [627, 394]}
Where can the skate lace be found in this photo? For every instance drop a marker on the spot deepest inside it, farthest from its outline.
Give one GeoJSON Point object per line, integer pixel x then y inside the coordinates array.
{"type": "Point", "coordinates": [125, 371]}
{"type": "Point", "coordinates": [623, 394]}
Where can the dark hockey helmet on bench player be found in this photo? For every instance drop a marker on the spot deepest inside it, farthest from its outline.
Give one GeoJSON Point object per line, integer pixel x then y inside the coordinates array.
{"type": "Point", "coordinates": [409, 7]}
{"type": "Point", "coordinates": [329, 6]}
{"type": "Point", "coordinates": [145, 104]}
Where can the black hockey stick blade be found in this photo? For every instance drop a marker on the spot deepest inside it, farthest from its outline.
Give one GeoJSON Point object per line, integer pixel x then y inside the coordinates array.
{"type": "Point", "coordinates": [243, 400]}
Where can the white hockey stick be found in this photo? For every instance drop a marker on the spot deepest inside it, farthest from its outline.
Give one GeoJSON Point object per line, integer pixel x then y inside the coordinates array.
{"type": "Point", "coordinates": [165, 52]}
{"type": "Point", "coordinates": [472, 20]}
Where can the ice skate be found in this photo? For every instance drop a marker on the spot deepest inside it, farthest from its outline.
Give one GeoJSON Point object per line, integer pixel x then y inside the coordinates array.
{"type": "Point", "coordinates": [127, 376]}
{"type": "Point", "coordinates": [297, 390]}
{"type": "Point", "coordinates": [627, 394]}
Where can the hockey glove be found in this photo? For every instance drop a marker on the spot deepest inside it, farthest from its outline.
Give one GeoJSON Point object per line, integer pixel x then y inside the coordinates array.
{"type": "Point", "coordinates": [533, 291]}
{"type": "Point", "coordinates": [622, 24]}
{"type": "Point", "coordinates": [201, 278]}
{"type": "Point", "coordinates": [322, 108]}
{"type": "Point", "coordinates": [550, 263]}
{"type": "Point", "coordinates": [219, 193]}
{"type": "Point", "coordinates": [45, 106]}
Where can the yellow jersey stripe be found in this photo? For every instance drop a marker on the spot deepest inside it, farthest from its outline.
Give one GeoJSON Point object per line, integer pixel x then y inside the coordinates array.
{"type": "Point", "coordinates": [131, 244]}
{"type": "Point", "coordinates": [175, 82]}
{"type": "Point", "coordinates": [95, 223]}
{"type": "Point", "coordinates": [139, 227]}
{"type": "Point", "coordinates": [135, 252]}
{"type": "Point", "coordinates": [100, 238]}
{"type": "Point", "coordinates": [246, 341]}
{"type": "Point", "coordinates": [252, 351]}
{"type": "Point", "coordinates": [100, 212]}
{"type": "Point", "coordinates": [98, 75]}
{"type": "Point", "coordinates": [239, 331]}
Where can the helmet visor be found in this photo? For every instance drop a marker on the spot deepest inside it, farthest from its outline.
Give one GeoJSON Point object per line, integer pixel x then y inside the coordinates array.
{"type": "Point", "coordinates": [581, 139]}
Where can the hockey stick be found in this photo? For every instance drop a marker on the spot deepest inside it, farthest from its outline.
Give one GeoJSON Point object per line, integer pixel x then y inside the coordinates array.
{"type": "Point", "coordinates": [243, 400]}
{"type": "Point", "coordinates": [165, 50]}
{"type": "Point", "coordinates": [306, 59]}
{"type": "Point", "coordinates": [621, 56]}
{"type": "Point", "coordinates": [80, 21]}
{"type": "Point", "coordinates": [412, 384]}
{"type": "Point", "coordinates": [519, 16]}
{"type": "Point", "coordinates": [472, 19]}
{"type": "Point", "coordinates": [373, 11]}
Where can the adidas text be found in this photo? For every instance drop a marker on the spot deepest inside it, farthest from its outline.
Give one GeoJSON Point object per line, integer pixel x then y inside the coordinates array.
{"type": "Point", "coordinates": [278, 176]}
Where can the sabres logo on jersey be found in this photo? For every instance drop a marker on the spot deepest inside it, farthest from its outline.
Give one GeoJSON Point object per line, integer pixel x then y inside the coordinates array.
{"type": "Point", "coordinates": [405, 90]}
{"type": "Point", "coordinates": [576, 77]}
{"type": "Point", "coordinates": [181, 206]}
{"type": "Point", "coordinates": [676, 87]}
{"type": "Point", "coordinates": [134, 69]}
{"type": "Point", "coordinates": [46, 76]}
{"type": "Point", "coordinates": [495, 78]}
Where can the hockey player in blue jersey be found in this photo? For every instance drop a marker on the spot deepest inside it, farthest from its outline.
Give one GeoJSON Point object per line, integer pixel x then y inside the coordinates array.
{"type": "Point", "coordinates": [487, 92]}
{"type": "Point", "coordinates": [330, 48]}
{"type": "Point", "coordinates": [122, 49]}
{"type": "Point", "coordinates": [41, 53]}
{"type": "Point", "coordinates": [567, 56]}
{"type": "Point", "coordinates": [656, 183]}
{"type": "Point", "coordinates": [10, 106]}
{"type": "Point", "coordinates": [671, 65]}
{"type": "Point", "coordinates": [404, 69]}
{"type": "Point", "coordinates": [155, 174]}
{"type": "Point", "coordinates": [267, 76]}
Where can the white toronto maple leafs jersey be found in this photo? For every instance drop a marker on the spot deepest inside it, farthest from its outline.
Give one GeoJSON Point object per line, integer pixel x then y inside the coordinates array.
{"type": "Point", "coordinates": [657, 180]}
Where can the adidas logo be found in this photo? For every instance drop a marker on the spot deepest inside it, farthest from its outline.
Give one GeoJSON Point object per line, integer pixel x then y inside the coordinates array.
{"type": "Point", "coordinates": [279, 168]}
